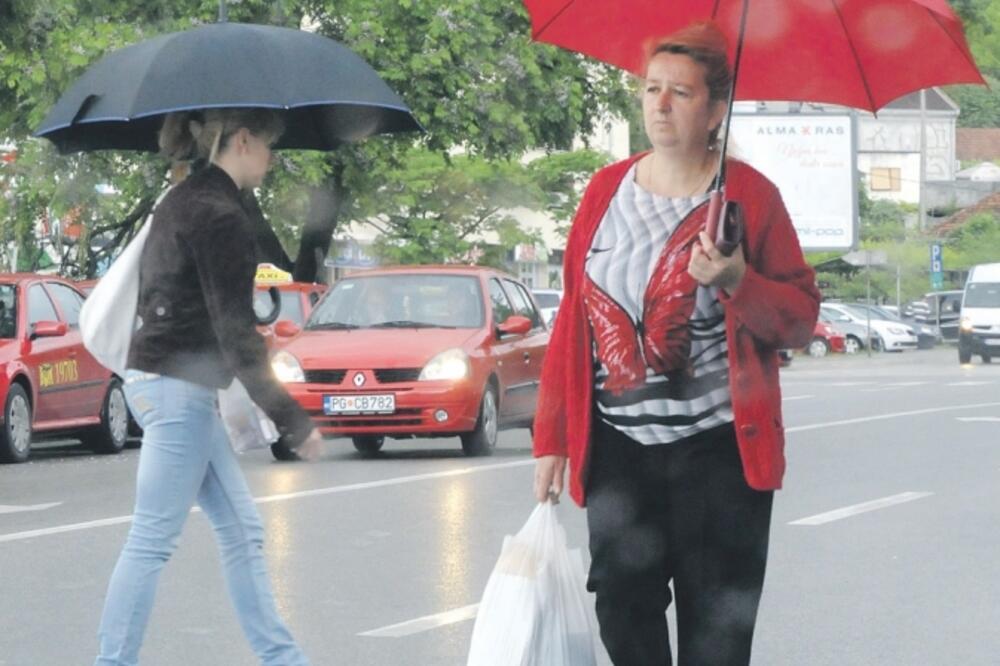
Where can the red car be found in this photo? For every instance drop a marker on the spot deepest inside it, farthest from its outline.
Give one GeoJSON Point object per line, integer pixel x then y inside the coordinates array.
{"type": "Point", "coordinates": [49, 383]}
{"type": "Point", "coordinates": [429, 351]}
{"type": "Point", "coordinates": [826, 339]}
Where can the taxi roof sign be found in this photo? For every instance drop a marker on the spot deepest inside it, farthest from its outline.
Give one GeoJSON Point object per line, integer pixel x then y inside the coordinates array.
{"type": "Point", "coordinates": [270, 274]}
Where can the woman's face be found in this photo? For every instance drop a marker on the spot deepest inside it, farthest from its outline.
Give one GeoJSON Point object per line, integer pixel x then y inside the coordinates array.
{"type": "Point", "coordinates": [676, 108]}
{"type": "Point", "coordinates": [255, 152]}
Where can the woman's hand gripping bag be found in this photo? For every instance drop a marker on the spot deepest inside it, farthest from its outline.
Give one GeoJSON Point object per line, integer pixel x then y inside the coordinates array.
{"type": "Point", "coordinates": [535, 610]}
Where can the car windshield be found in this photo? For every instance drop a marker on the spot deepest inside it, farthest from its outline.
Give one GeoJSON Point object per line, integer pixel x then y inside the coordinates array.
{"type": "Point", "coordinates": [982, 295]}
{"type": "Point", "coordinates": [404, 300]}
{"type": "Point", "coordinates": [546, 300]}
{"type": "Point", "coordinates": [882, 313]}
{"type": "Point", "coordinates": [8, 311]}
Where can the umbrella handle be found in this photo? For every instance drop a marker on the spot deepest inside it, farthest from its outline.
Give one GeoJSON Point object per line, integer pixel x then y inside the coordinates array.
{"type": "Point", "coordinates": [715, 210]}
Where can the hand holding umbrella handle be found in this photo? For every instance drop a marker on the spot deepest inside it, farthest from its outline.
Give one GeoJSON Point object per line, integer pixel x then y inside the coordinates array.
{"type": "Point", "coordinates": [724, 223]}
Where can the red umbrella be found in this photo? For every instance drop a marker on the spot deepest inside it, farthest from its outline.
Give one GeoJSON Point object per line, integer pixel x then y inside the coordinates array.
{"type": "Point", "coordinates": [858, 53]}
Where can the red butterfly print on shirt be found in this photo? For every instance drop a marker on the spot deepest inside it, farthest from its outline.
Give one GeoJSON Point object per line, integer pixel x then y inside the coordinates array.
{"type": "Point", "coordinates": [661, 340]}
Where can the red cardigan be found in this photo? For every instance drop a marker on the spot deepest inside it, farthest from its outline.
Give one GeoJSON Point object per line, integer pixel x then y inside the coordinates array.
{"type": "Point", "coordinates": [774, 307]}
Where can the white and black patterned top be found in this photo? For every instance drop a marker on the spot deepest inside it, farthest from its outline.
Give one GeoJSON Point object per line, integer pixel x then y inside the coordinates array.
{"type": "Point", "coordinates": [625, 251]}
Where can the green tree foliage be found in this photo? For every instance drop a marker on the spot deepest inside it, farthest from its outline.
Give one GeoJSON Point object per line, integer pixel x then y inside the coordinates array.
{"type": "Point", "coordinates": [980, 107]}
{"type": "Point", "coordinates": [431, 208]}
{"type": "Point", "coordinates": [467, 68]}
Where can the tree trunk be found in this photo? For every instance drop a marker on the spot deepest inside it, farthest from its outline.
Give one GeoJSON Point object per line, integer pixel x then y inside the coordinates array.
{"type": "Point", "coordinates": [317, 233]}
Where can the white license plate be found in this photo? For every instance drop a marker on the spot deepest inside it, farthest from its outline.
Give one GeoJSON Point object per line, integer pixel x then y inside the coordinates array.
{"type": "Point", "coordinates": [992, 341]}
{"type": "Point", "coordinates": [359, 404]}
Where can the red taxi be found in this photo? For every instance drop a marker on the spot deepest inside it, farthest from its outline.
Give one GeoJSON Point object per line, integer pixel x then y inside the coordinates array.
{"type": "Point", "coordinates": [49, 383]}
{"type": "Point", "coordinates": [428, 351]}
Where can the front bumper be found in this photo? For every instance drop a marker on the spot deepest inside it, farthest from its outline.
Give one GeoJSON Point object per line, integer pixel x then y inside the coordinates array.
{"type": "Point", "coordinates": [899, 343]}
{"type": "Point", "coordinates": [416, 406]}
{"type": "Point", "coordinates": [980, 342]}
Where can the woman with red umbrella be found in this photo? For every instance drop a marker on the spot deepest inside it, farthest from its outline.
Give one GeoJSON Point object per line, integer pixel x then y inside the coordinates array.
{"type": "Point", "coordinates": [661, 384]}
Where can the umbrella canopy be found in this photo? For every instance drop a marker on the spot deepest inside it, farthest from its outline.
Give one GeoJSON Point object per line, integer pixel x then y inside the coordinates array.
{"type": "Point", "coordinates": [329, 93]}
{"type": "Point", "coordinates": [858, 53]}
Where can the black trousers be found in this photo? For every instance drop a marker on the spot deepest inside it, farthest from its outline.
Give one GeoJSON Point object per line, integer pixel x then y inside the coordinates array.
{"type": "Point", "coordinates": [679, 512]}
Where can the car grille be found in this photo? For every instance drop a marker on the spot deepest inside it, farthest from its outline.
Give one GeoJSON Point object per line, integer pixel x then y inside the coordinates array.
{"type": "Point", "coordinates": [325, 376]}
{"type": "Point", "coordinates": [397, 375]}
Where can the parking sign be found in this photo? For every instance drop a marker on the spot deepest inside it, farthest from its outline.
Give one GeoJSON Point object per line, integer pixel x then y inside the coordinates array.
{"type": "Point", "coordinates": [937, 267]}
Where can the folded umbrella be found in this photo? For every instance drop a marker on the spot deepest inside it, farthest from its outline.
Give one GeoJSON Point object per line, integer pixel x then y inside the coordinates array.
{"type": "Point", "coordinates": [329, 95]}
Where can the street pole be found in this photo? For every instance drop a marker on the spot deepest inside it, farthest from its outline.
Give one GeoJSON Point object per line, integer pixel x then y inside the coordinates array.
{"type": "Point", "coordinates": [868, 298]}
{"type": "Point", "coordinates": [223, 11]}
{"type": "Point", "coordinates": [899, 305]}
{"type": "Point", "coordinates": [923, 160]}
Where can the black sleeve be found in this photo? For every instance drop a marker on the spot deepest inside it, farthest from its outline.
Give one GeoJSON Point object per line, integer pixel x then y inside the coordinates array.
{"type": "Point", "coordinates": [223, 251]}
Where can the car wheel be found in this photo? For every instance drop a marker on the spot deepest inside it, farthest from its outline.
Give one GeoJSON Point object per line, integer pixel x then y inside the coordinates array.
{"type": "Point", "coordinates": [483, 440]}
{"type": "Point", "coordinates": [282, 452]}
{"type": "Point", "coordinates": [852, 345]}
{"type": "Point", "coordinates": [964, 355]}
{"type": "Point", "coordinates": [15, 433]}
{"type": "Point", "coordinates": [818, 348]}
{"type": "Point", "coordinates": [987, 358]}
{"type": "Point", "coordinates": [877, 344]}
{"type": "Point", "coordinates": [368, 445]}
{"type": "Point", "coordinates": [110, 436]}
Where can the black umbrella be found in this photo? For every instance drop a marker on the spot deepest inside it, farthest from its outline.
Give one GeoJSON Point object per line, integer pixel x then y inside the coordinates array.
{"type": "Point", "coordinates": [330, 95]}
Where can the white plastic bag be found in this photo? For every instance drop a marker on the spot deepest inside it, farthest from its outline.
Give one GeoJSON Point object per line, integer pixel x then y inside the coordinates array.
{"type": "Point", "coordinates": [535, 610]}
{"type": "Point", "coordinates": [246, 424]}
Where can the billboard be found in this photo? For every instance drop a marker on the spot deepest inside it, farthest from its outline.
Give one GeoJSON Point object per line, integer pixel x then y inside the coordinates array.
{"type": "Point", "coordinates": [812, 158]}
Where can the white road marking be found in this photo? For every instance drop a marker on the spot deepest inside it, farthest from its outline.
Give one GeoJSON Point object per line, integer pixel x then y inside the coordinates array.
{"type": "Point", "coordinates": [864, 507]}
{"type": "Point", "coordinates": [968, 383]}
{"type": "Point", "coordinates": [425, 623]}
{"type": "Point", "coordinates": [889, 385]}
{"type": "Point", "coordinates": [797, 397]}
{"type": "Point", "coordinates": [850, 383]}
{"type": "Point", "coordinates": [13, 508]}
{"type": "Point", "coordinates": [893, 415]}
{"type": "Point", "coordinates": [981, 419]}
{"type": "Point", "coordinates": [118, 520]}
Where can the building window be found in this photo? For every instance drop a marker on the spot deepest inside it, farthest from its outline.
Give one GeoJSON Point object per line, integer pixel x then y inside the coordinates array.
{"type": "Point", "coordinates": [885, 179]}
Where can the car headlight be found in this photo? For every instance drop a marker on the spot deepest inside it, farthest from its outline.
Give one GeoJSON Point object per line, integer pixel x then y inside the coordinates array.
{"type": "Point", "coordinates": [286, 368]}
{"type": "Point", "coordinates": [449, 364]}
{"type": "Point", "coordinates": [965, 324]}
{"type": "Point", "coordinates": [897, 330]}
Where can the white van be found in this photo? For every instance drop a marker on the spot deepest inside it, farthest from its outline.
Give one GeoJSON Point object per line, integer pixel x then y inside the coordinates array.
{"type": "Point", "coordinates": [979, 326]}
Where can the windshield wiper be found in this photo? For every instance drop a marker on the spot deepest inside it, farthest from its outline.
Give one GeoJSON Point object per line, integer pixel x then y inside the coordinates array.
{"type": "Point", "coordinates": [332, 326]}
{"type": "Point", "coordinates": [406, 323]}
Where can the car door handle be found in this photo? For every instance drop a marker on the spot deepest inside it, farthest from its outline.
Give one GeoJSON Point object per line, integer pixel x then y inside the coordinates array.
{"type": "Point", "coordinates": [527, 357]}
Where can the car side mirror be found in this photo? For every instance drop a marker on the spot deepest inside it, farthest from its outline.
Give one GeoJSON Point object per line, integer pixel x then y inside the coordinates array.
{"type": "Point", "coordinates": [515, 325]}
{"type": "Point", "coordinates": [286, 329]}
{"type": "Point", "coordinates": [49, 329]}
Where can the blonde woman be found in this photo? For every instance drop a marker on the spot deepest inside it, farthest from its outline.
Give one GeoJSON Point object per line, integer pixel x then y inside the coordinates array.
{"type": "Point", "coordinates": [196, 333]}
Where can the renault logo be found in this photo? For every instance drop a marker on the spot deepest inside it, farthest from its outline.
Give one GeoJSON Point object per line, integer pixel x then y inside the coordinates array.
{"type": "Point", "coordinates": [359, 379]}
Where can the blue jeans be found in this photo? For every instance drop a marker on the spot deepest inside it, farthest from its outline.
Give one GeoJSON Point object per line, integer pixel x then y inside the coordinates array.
{"type": "Point", "coordinates": [186, 456]}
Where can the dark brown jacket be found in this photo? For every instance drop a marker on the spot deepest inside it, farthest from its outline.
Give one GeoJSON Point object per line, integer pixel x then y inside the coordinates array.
{"type": "Point", "coordinates": [196, 298]}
